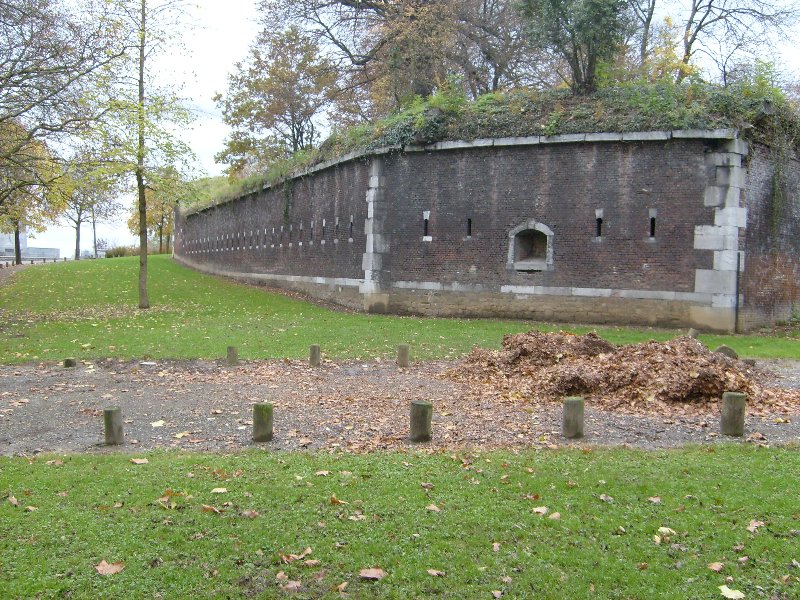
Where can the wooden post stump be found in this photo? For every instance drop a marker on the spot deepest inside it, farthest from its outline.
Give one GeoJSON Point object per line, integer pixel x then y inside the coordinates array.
{"type": "Point", "coordinates": [732, 420]}
{"type": "Point", "coordinates": [262, 422]}
{"type": "Point", "coordinates": [112, 419]}
{"type": "Point", "coordinates": [421, 414]}
{"type": "Point", "coordinates": [572, 424]}
{"type": "Point", "coordinates": [403, 355]}
{"type": "Point", "coordinates": [70, 362]}
{"type": "Point", "coordinates": [233, 356]}
{"type": "Point", "coordinates": [314, 356]}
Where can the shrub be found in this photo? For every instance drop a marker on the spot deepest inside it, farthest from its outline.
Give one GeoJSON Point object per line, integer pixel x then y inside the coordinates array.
{"type": "Point", "coordinates": [121, 251]}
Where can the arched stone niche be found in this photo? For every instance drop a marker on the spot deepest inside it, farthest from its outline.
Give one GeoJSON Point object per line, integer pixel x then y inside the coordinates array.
{"type": "Point", "coordinates": [530, 247]}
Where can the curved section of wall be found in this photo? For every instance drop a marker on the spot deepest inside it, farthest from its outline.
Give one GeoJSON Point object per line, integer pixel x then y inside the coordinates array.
{"type": "Point", "coordinates": [616, 228]}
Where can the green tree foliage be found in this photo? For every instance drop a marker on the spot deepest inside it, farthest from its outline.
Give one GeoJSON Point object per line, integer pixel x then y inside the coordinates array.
{"type": "Point", "coordinates": [53, 53]}
{"type": "Point", "coordinates": [167, 190]}
{"type": "Point", "coordinates": [584, 33]}
{"type": "Point", "coordinates": [29, 179]}
{"type": "Point", "coordinates": [275, 99]}
{"type": "Point", "coordinates": [88, 193]}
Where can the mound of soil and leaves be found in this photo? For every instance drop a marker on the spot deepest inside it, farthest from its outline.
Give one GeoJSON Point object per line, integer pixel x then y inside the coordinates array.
{"type": "Point", "coordinates": [657, 376]}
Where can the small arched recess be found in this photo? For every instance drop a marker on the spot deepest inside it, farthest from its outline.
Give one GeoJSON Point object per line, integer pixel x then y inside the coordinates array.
{"type": "Point", "coordinates": [530, 247]}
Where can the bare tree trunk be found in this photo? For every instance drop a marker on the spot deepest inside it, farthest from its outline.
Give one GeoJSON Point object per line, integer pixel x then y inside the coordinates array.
{"type": "Point", "coordinates": [94, 231]}
{"type": "Point", "coordinates": [78, 240]}
{"type": "Point", "coordinates": [17, 246]}
{"type": "Point", "coordinates": [144, 302]}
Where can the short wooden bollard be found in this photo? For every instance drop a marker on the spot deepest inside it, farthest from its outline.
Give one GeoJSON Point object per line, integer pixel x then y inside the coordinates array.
{"type": "Point", "coordinates": [403, 355]}
{"type": "Point", "coordinates": [262, 422]}
{"type": "Point", "coordinates": [112, 419]}
{"type": "Point", "coordinates": [233, 356]}
{"type": "Point", "coordinates": [572, 424]}
{"type": "Point", "coordinates": [314, 355]}
{"type": "Point", "coordinates": [732, 420]}
{"type": "Point", "coordinates": [421, 414]}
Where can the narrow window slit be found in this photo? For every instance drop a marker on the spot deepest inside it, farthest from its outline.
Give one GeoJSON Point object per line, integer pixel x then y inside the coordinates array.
{"type": "Point", "coordinates": [652, 227]}
{"type": "Point", "coordinates": [599, 231]}
{"type": "Point", "coordinates": [469, 227]}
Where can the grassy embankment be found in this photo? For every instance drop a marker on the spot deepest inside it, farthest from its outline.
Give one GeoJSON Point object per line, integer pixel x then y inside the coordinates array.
{"type": "Point", "coordinates": [88, 309]}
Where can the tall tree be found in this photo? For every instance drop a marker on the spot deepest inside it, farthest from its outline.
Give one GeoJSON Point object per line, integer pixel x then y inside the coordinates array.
{"type": "Point", "coordinates": [137, 135]}
{"type": "Point", "coordinates": [390, 50]}
{"type": "Point", "coordinates": [582, 32]}
{"type": "Point", "coordinates": [275, 99]}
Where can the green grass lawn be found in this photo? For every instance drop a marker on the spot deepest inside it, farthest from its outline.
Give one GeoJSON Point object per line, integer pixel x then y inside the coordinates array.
{"type": "Point", "coordinates": [88, 309]}
{"type": "Point", "coordinates": [160, 521]}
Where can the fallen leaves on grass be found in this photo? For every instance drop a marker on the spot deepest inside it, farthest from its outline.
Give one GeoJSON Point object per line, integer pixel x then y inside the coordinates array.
{"type": "Point", "coordinates": [731, 594]}
{"type": "Point", "coordinates": [289, 558]}
{"type": "Point", "coordinates": [540, 510]}
{"type": "Point", "coordinates": [433, 508]}
{"type": "Point", "coordinates": [335, 501]}
{"type": "Point", "coordinates": [292, 586]}
{"type": "Point", "coordinates": [219, 490]}
{"type": "Point", "coordinates": [754, 525]}
{"type": "Point", "coordinates": [716, 566]}
{"type": "Point", "coordinates": [435, 573]}
{"type": "Point", "coordinates": [104, 568]}
{"type": "Point", "coordinates": [140, 461]}
{"type": "Point", "coordinates": [373, 574]}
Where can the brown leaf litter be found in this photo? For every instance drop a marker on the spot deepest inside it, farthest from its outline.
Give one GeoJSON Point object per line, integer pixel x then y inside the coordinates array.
{"type": "Point", "coordinates": [654, 377]}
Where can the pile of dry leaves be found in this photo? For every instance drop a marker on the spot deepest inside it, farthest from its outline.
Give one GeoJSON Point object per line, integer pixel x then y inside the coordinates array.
{"type": "Point", "coordinates": [655, 376]}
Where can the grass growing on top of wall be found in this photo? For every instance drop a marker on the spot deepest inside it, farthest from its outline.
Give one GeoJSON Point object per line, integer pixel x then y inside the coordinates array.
{"type": "Point", "coordinates": [759, 110]}
{"type": "Point", "coordinates": [88, 309]}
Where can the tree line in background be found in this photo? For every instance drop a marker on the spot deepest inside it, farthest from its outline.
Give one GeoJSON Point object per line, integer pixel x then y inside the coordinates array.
{"type": "Point", "coordinates": [322, 64]}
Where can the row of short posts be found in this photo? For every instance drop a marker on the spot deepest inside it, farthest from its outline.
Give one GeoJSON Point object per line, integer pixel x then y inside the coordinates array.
{"type": "Point", "coordinates": [44, 260]}
{"type": "Point", "coordinates": [731, 416]}
{"type": "Point", "coordinates": [421, 429]}
{"type": "Point", "coordinates": [421, 411]}
{"type": "Point", "coordinates": [315, 356]}
{"type": "Point", "coordinates": [421, 415]}
{"type": "Point", "coordinates": [731, 419]}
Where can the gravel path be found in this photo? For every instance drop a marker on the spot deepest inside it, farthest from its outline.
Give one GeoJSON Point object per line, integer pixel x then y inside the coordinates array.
{"type": "Point", "coordinates": [341, 406]}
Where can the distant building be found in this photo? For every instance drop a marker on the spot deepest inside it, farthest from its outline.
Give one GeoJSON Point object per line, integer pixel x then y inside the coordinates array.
{"type": "Point", "coordinates": [28, 252]}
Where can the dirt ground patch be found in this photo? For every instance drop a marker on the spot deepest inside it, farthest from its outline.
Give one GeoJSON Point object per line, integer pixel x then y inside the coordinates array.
{"type": "Point", "coordinates": [340, 406]}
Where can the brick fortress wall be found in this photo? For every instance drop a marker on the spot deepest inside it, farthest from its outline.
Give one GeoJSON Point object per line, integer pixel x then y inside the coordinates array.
{"type": "Point", "coordinates": [641, 228]}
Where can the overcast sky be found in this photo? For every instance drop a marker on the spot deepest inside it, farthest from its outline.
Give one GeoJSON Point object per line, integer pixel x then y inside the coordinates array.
{"type": "Point", "coordinates": [222, 31]}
